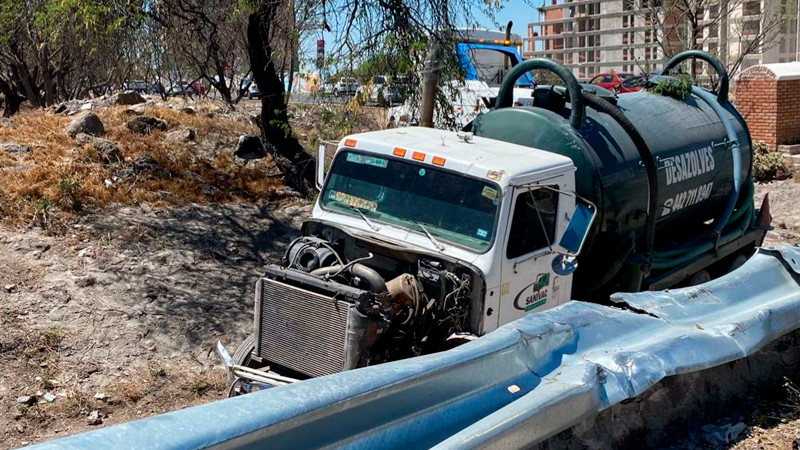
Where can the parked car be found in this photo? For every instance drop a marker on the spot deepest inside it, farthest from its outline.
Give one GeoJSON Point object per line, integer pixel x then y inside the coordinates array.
{"type": "Point", "coordinates": [327, 88]}
{"type": "Point", "coordinates": [346, 87]}
{"type": "Point", "coordinates": [135, 86]}
{"type": "Point", "coordinates": [181, 88]}
{"type": "Point", "coordinates": [156, 88]}
{"type": "Point", "coordinates": [198, 87]}
{"type": "Point", "coordinates": [632, 85]}
{"type": "Point", "coordinates": [253, 91]}
{"type": "Point", "coordinates": [610, 80]}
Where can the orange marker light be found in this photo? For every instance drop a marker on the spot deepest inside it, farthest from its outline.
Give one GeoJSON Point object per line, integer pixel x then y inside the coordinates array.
{"type": "Point", "coordinates": [401, 152]}
{"type": "Point", "coordinates": [417, 156]}
{"type": "Point", "coordinates": [350, 142]}
{"type": "Point", "coordinates": [438, 160]}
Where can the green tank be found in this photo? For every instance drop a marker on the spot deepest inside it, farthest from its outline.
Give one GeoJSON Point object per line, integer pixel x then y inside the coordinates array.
{"type": "Point", "coordinates": [701, 153]}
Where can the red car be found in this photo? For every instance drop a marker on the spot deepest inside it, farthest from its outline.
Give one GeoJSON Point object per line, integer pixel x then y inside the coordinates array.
{"type": "Point", "coordinates": [617, 82]}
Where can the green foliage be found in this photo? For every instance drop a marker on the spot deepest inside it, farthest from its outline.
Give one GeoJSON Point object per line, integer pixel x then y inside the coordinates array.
{"type": "Point", "coordinates": [67, 186]}
{"type": "Point", "coordinates": [769, 165]}
{"type": "Point", "coordinates": [678, 88]}
{"type": "Point", "coordinates": [41, 205]}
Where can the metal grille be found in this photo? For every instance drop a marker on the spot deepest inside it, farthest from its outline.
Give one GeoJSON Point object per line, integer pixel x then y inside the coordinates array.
{"type": "Point", "coordinates": [302, 330]}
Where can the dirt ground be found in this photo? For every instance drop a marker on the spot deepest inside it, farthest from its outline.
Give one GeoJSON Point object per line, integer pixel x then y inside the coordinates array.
{"type": "Point", "coordinates": [129, 305]}
{"type": "Point", "coordinates": [115, 318]}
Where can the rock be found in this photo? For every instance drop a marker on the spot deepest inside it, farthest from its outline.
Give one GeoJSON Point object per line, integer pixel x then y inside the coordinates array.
{"type": "Point", "coordinates": [188, 110]}
{"type": "Point", "coordinates": [720, 436]}
{"type": "Point", "coordinates": [5, 122]}
{"type": "Point", "coordinates": [87, 370]}
{"type": "Point", "coordinates": [107, 151]}
{"type": "Point", "coordinates": [58, 109]}
{"type": "Point", "coordinates": [86, 122]}
{"type": "Point", "coordinates": [13, 147]}
{"type": "Point", "coordinates": [82, 139]}
{"type": "Point", "coordinates": [86, 106]}
{"type": "Point", "coordinates": [144, 125]}
{"type": "Point", "coordinates": [132, 112]}
{"type": "Point", "coordinates": [94, 418]}
{"type": "Point", "coordinates": [10, 287]}
{"type": "Point", "coordinates": [101, 396]}
{"type": "Point", "coordinates": [210, 191]}
{"type": "Point", "coordinates": [127, 98]}
{"type": "Point", "coordinates": [183, 134]}
{"type": "Point", "coordinates": [249, 147]}
{"type": "Point", "coordinates": [85, 281]}
{"type": "Point", "coordinates": [48, 397]}
{"type": "Point", "coordinates": [26, 400]}
{"type": "Point", "coordinates": [145, 163]}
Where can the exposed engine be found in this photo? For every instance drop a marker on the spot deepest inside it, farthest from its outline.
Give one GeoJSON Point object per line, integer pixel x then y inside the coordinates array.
{"type": "Point", "coordinates": [340, 301]}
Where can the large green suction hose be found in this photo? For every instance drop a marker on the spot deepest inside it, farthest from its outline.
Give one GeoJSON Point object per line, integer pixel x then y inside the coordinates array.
{"type": "Point", "coordinates": [700, 245]}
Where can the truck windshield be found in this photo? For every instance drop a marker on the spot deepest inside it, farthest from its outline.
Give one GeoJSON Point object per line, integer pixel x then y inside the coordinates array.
{"type": "Point", "coordinates": [452, 207]}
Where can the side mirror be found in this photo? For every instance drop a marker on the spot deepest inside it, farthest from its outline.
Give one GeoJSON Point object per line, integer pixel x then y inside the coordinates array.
{"type": "Point", "coordinates": [573, 238]}
{"type": "Point", "coordinates": [320, 165]}
{"type": "Point", "coordinates": [578, 228]}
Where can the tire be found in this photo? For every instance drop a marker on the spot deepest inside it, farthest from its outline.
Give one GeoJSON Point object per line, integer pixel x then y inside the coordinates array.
{"type": "Point", "coordinates": [699, 278]}
{"type": "Point", "coordinates": [241, 357]}
{"type": "Point", "coordinates": [737, 262]}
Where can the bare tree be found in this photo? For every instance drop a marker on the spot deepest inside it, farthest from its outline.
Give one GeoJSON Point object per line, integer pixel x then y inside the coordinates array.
{"type": "Point", "coordinates": [362, 30]}
{"type": "Point", "coordinates": [731, 29]}
{"type": "Point", "coordinates": [56, 50]}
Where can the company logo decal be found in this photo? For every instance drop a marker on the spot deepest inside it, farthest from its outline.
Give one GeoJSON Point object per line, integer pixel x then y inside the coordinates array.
{"type": "Point", "coordinates": [533, 295]}
{"type": "Point", "coordinates": [688, 165]}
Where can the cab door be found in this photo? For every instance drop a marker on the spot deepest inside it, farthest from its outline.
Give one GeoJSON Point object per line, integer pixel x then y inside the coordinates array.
{"type": "Point", "coordinates": [534, 223]}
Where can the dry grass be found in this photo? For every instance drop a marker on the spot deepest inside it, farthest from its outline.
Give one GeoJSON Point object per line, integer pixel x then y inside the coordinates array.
{"type": "Point", "coordinates": [58, 180]}
{"type": "Point", "coordinates": [201, 383]}
{"type": "Point", "coordinates": [131, 390]}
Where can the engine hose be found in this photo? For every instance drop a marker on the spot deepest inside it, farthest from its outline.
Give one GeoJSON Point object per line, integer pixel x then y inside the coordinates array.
{"type": "Point", "coordinates": [649, 162]}
{"type": "Point", "coordinates": [376, 283]}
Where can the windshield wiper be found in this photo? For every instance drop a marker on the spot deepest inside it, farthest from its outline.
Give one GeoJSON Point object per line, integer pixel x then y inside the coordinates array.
{"type": "Point", "coordinates": [436, 243]}
{"type": "Point", "coordinates": [363, 216]}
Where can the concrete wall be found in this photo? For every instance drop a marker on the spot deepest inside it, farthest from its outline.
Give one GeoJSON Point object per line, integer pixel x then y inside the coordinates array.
{"type": "Point", "coordinates": [678, 406]}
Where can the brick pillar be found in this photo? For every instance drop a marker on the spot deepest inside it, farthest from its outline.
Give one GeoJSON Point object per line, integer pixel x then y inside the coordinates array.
{"type": "Point", "coordinates": [757, 100]}
{"type": "Point", "coordinates": [788, 126]}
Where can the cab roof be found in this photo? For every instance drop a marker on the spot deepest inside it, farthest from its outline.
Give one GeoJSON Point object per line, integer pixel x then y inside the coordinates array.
{"type": "Point", "coordinates": [498, 161]}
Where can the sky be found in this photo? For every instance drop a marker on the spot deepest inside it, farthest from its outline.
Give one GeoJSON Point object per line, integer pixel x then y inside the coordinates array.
{"type": "Point", "coordinates": [520, 12]}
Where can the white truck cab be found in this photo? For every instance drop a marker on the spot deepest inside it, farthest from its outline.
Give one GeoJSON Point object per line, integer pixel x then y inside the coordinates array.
{"type": "Point", "coordinates": [497, 206]}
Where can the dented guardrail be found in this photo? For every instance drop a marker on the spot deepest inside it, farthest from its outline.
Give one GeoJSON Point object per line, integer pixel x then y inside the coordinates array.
{"type": "Point", "coordinates": [514, 387]}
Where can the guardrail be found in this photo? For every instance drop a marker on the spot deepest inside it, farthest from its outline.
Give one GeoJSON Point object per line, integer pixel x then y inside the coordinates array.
{"type": "Point", "coordinates": [514, 387]}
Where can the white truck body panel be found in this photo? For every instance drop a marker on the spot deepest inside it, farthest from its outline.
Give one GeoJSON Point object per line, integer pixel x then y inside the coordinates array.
{"type": "Point", "coordinates": [514, 286]}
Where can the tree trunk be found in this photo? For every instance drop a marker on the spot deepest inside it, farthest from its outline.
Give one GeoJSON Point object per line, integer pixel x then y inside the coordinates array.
{"type": "Point", "coordinates": [13, 100]}
{"type": "Point", "coordinates": [291, 158]}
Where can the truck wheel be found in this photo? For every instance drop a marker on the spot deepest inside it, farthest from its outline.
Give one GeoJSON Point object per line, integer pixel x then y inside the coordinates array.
{"type": "Point", "coordinates": [737, 262]}
{"type": "Point", "coordinates": [699, 278]}
{"type": "Point", "coordinates": [242, 357]}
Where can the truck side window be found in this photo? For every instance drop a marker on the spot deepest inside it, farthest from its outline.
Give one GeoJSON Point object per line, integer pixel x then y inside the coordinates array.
{"type": "Point", "coordinates": [526, 233]}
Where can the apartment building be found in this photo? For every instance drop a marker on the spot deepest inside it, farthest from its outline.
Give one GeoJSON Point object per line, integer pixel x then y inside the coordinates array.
{"type": "Point", "coordinates": [751, 20]}
{"type": "Point", "coordinates": [595, 36]}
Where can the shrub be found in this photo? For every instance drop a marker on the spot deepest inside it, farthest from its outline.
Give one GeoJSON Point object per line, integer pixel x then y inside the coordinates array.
{"type": "Point", "coordinates": [769, 165]}
{"type": "Point", "coordinates": [678, 88]}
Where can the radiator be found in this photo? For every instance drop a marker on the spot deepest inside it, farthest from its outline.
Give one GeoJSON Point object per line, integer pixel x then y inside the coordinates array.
{"type": "Point", "coordinates": [306, 331]}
